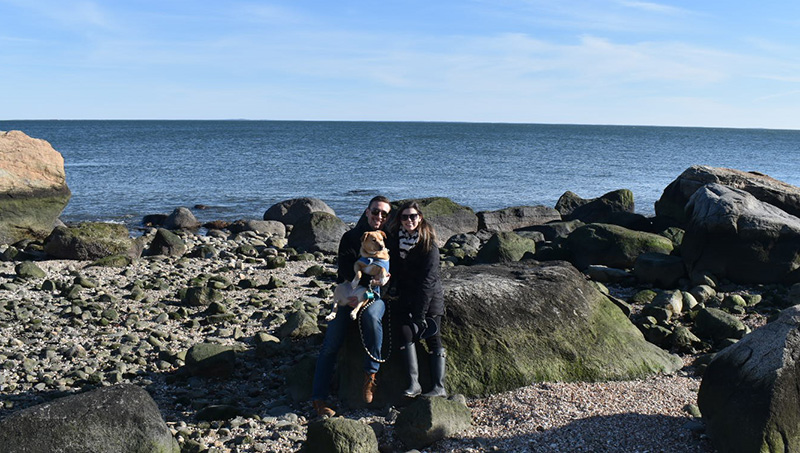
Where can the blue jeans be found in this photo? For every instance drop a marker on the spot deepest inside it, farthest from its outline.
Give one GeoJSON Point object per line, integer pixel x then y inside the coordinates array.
{"type": "Point", "coordinates": [372, 327]}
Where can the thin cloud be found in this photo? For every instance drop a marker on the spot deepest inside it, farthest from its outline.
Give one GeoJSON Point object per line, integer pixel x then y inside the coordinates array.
{"type": "Point", "coordinates": [654, 7]}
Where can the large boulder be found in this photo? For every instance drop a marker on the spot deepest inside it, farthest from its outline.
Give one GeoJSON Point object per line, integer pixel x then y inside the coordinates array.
{"type": "Point", "coordinates": [614, 207]}
{"type": "Point", "coordinates": [319, 231]}
{"type": "Point", "coordinates": [673, 200]}
{"type": "Point", "coordinates": [447, 217]}
{"type": "Point", "coordinates": [510, 325]}
{"type": "Point", "coordinates": [292, 211]}
{"type": "Point", "coordinates": [510, 219]}
{"type": "Point", "coordinates": [90, 241]}
{"type": "Point", "coordinates": [181, 219]}
{"type": "Point", "coordinates": [733, 235]}
{"type": "Point", "coordinates": [749, 396]}
{"type": "Point", "coordinates": [33, 187]}
{"type": "Point", "coordinates": [612, 245]}
{"type": "Point", "coordinates": [505, 246]}
{"type": "Point", "coordinates": [110, 419]}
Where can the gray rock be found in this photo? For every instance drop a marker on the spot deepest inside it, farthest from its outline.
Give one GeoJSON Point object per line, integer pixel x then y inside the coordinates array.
{"type": "Point", "coordinates": [670, 300]}
{"type": "Point", "coordinates": [556, 230]}
{"type": "Point", "coordinates": [298, 324]}
{"type": "Point", "coordinates": [181, 219]}
{"type": "Point", "coordinates": [673, 200]}
{"type": "Point", "coordinates": [748, 396]}
{"type": "Point", "coordinates": [293, 211]}
{"type": "Point", "coordinates": [211, 360]}
{"type": "Point", "coordinates": [659, 269]}
{"type": "Point", "coordinates": [166, 243]}
{"type": "Point", "coordinates": [428, 420]}
{"type": "Point", "coordinates": [682, 339]}
{"type": "Point", "coordinates": [340, 435]}
{"type": "Point", "coordinates": [319, 231]}
{"type": "Point", "coordinates": [605, 274]}
{"type": "Point", "coordinates": [616, 207]}
{"type": "Point", "coordinates": [510, 219]}
{"type": "Point", "coordinates": [270, 227]}
{"type": "Point", "coordinates": [109, 419]}
{"type": "Point", "coordinates": [703, 293]}
{"type": "Point", "coordinates": [733, 235]}
{"type": "Point", "coordinates": [612, 245]}
{"type": "Point", "coordinates": [716, 325]}
{"type": "Point", "coordinates": [201, 296]}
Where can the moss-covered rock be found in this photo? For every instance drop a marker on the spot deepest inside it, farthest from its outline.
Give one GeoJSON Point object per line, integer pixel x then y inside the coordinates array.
{"type": "Point", "coordinates": [613, 245]}
{"type": "Point", "coordinates": [510, 325]}
{"type": "Point", "coordinates": [29, 269]}
{"type": "Point", "coordinates": [447, 217]}
{"type": "Point", "coordinates": [505, 246]}
{"type": "Point", "coordinates": [113, 261]}
{"type": "Point", "coordinates": [90, 241]}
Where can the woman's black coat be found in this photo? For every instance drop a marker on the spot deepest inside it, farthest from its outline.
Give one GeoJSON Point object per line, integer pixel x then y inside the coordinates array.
{"type": "Point", "coordinates": [416, 280]}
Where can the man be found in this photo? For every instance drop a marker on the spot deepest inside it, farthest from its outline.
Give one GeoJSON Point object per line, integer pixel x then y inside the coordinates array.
{"type": "Point", "coordinates": [376, 215]}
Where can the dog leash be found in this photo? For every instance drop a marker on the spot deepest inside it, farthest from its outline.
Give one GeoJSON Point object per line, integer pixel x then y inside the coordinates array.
{"type": "Point", "coordinates": [370, 294]}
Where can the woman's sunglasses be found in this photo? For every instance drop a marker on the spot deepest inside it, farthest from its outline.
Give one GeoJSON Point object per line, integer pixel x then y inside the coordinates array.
{"type": "Point", "coordinates": [409, 216]}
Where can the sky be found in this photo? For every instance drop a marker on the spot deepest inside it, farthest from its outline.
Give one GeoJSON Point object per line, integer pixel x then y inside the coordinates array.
{"type": "Point", "coordinates": [672, 63]}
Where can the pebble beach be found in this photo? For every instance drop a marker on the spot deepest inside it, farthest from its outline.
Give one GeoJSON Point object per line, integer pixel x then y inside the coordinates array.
{"type": "Point", "coordinates": [84, 326]}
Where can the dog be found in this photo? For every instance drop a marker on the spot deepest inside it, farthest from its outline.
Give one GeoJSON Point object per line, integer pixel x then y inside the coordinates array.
{"type": "Point", "coordinates": [374, 261]}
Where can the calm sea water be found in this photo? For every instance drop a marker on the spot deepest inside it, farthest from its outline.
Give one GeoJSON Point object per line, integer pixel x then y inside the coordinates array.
{"type": "Point", "coordinates": [123, 170]}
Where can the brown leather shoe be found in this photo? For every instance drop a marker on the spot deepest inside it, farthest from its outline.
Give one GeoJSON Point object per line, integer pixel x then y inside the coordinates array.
{"type": "Point", "coordinates": [322, 409]}
{"type": "Point", "coordinates": [370, 384]}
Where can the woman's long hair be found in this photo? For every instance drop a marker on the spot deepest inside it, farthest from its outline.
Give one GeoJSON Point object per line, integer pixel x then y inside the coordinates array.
{"type": "Point", "coordinates": [427, 235]}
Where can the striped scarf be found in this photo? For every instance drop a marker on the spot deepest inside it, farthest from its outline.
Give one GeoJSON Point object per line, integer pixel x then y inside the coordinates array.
{"type": "Point", "coordinates": [407, 242]}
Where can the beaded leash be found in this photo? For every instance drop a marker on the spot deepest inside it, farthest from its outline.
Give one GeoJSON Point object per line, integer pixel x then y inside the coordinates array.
{"type": "Point", "coordinates": [370, 295]}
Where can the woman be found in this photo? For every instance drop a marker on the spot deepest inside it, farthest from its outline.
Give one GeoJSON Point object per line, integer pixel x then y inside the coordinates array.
{"type": "Point", "coordinates": [420, 307]}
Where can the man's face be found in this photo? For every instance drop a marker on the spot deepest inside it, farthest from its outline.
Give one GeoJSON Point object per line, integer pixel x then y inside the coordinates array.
{"type": "Point", "coordinates": [377, 213]}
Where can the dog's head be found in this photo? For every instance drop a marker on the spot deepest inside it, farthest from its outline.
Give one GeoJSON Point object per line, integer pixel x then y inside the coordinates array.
{"type": "Point", "coordinates": [373, 242]}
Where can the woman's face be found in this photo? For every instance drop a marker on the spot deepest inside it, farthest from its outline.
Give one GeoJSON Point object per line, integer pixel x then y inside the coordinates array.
{"type": "Point", "coordinates": [410, 219]}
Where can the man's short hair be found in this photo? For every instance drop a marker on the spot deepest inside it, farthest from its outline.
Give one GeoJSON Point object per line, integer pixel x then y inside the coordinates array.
{"type": "Point", "coordinates": [379, 199]}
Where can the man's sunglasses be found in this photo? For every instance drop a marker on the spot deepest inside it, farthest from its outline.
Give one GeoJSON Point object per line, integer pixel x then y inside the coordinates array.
{"type": "Point", "coordinates": [378, 212]}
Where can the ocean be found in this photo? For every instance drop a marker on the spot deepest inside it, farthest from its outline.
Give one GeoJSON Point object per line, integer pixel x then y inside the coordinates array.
{"type": "Point", "coordinates": [120, 171]}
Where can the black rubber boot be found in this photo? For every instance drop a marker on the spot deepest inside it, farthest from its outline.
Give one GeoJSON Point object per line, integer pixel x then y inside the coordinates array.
{"type": "Point", "coordinates": [437, 373]}
{"type": "Point", "coordinates": [409, 353]}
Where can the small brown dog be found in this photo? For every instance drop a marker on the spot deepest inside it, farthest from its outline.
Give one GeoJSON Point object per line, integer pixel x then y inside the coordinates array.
{"type": "Point", "coordinates": [374, 261]}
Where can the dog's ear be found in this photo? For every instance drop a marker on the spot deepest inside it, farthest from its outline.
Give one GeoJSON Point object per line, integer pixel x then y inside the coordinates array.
{"type": "Point", "coordinates": [364, 236]}
{"type": "Point", "coordinates": [383, 233]}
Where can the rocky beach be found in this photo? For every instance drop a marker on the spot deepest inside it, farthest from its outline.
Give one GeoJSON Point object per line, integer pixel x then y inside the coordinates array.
{"type": "Point", "coordinates": [581, 327]}
{"type": "Point", "coordinates": [78, 327]}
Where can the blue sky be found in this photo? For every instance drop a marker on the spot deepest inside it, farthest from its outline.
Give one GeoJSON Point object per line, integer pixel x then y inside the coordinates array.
{"type": "Point", "coordinates": [693, 63]}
